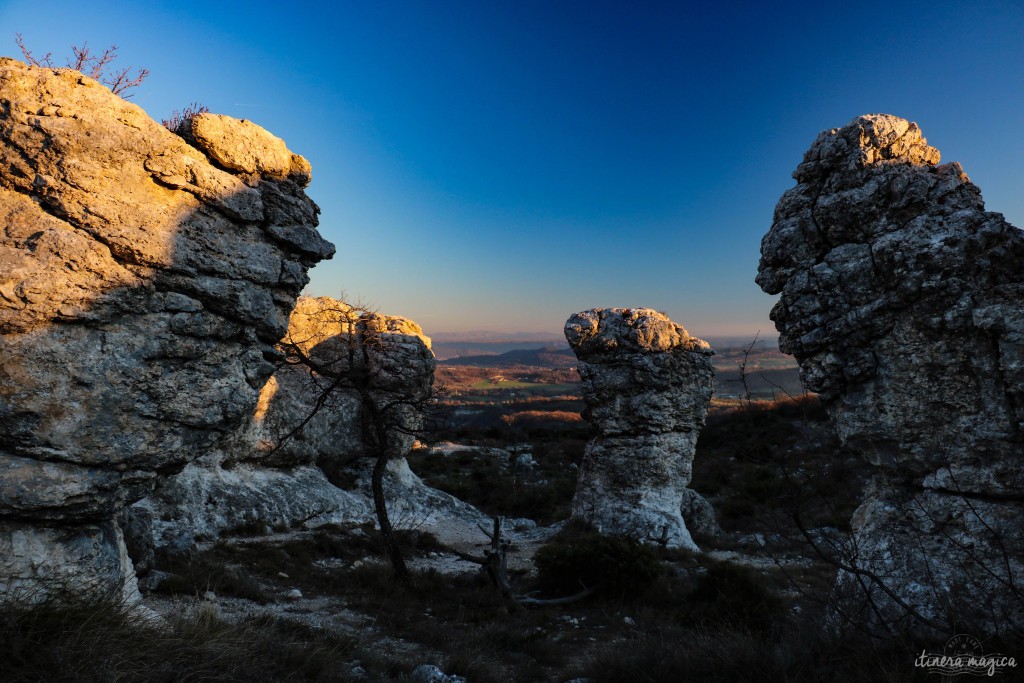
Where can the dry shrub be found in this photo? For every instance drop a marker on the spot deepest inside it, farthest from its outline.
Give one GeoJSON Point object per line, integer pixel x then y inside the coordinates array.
{"type": "Point", "coordinates": [576, 559]}
{"type": "Point", "coordinates": [177, 120]}
{"type": "Point", "coordinates": [94, 639]}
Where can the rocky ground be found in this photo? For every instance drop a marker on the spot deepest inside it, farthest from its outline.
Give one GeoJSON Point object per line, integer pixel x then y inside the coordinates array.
{"type": "Point", "coordinates": [334, 580]}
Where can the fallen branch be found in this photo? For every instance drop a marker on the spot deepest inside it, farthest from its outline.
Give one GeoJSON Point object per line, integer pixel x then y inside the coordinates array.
{"type": "Point", "coordinates": [495, 564]}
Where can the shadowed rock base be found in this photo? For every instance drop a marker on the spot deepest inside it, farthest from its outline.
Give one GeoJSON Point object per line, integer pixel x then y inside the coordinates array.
{"type": "Point", "coordinates": [37, 562]}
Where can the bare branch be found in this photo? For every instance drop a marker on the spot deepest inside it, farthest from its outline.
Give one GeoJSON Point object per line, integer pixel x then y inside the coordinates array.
{"type": "Point", "coordinates": [495, 564]}
{"type": "Point", "coordinates": [99, 64]}
{"type": "Point", "coordinates": [528, 601]}
{"type": "Point", "coordinates": [81, 59]}
{"type": "Point", "coordinates": [120, 83]}
{"type": "Point", "coordinates": [44, 61]}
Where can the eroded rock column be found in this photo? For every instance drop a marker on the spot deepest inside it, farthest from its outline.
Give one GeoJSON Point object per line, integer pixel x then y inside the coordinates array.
{"type": "Point", "coordinates": [903, 301]}
{"type": "Point", "coordinates": [144, 283]}
{"type": "Point", "coordinates": [647, 384]}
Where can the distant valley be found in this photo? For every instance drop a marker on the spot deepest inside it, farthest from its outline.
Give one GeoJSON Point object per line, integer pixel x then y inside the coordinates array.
{"type": "Point", "coordinates": [498, 370]}
{"type": "Point", "coordinates": [548, 356]}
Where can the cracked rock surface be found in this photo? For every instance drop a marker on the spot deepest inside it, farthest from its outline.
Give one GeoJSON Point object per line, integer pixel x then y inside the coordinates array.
{"type": "Point", "coordinates": [901, 298]}
{"type": "Point", "coordinates": [647, 385]}
{"type": "Point", "coordinates": [144, 283]}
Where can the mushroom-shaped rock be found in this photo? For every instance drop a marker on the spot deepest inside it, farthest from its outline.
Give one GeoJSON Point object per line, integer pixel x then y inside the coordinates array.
{"type": "Point", "coordinates": [647, 385]}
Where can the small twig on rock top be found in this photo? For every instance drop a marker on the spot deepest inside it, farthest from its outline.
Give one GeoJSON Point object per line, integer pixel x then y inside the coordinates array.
{"type": "Point", "coordinates": [178, 118]}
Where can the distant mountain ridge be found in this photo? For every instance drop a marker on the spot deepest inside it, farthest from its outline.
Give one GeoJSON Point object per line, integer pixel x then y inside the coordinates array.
{"type": "Point", "coordinates": [491, 337]}
{"type": "Point", "coordinates": [552, 356]}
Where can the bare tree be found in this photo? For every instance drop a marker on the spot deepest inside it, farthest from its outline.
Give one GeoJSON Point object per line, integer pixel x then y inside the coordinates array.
{"type": "Point", "coordinates": [742, 366]}
{"type": "Point", "coordinates": [345, 350]}
{"type": "Point", "coordinates": [98, 66]}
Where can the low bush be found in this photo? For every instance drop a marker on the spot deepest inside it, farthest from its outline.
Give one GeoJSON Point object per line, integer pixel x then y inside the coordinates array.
{"type": "Point", "coordinates": [542, 493]}
{"type": "Point", "coordinates": [577, 559]}
{"type": "Point", "coordinates": [207, 574]}
{"type": "Point", "coordinates": [177, 120]}
{"type": "Point", "coordinates": [728, 594]}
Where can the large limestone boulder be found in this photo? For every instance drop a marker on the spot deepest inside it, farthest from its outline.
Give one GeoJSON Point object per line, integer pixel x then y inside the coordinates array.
{"type": "Point", "coordinates": [144, 283]}
{"type": "Point", "coordinates": [901, 298]}
{"type": "Point", "coordinates": [341, 360]}
{"type": "Point", "coordinates": [303, 458]}
{"type": "Point", "coordinates": [647, 384]}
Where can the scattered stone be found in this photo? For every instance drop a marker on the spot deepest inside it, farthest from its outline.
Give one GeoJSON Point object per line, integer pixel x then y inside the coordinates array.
{"type": "Point", "coordinates": [525, 461]}
{"type": "Point", "coordinates": [447, 448]}
{"type": "Point", "coordinates": [293, 594]}
{"type": "Point", "coordinates": [282, 575]}
{"type": "Point", "coordinates": [628, 621]}
{"type": "Point", "coordinates": [901, 298]}
{"type": "Point", "coordinates": [428, 673]}
{"type": "Point", "coordinates": [647, 384]}
{"type": "Point", "coordinates": [755, 540]}
{"type": "Point", "coordinates": [699, 516]}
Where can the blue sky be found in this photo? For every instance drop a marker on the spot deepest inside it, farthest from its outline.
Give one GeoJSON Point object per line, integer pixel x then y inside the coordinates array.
{"type": "Point", "coordinates": [500, 165]}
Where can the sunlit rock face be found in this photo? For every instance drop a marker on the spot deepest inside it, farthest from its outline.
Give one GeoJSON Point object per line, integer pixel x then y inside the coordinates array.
{"type": "Point", "coordinates": [144, 283]}
{"type": "Point", "coordinates": [288, 463]}
{"type": "Point", "coordinates": [647, 385]}
{"type": "Point", "coordinates": [391, 354]}
{"type": "Point", "coordinates": [903, 301]}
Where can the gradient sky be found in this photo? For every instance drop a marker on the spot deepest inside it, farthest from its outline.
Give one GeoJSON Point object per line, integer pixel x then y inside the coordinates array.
{"type": "Point", "coordinates": [488, 165]}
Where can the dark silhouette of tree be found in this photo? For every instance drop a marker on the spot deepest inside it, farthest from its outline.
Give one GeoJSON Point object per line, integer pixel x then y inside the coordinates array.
{"type": "Point", "coordinates": [345, 349]}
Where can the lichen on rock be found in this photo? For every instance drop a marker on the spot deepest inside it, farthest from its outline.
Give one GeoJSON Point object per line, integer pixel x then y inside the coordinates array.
{"type": "Point", "coordinates": [901, 300]}
{"type": "Point", "coordinates": [647, 385]}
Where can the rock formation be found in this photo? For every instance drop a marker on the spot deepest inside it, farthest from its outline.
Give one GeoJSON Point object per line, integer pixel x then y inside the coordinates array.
{"type": "Point", "coordinates": [903, 301]}
{"type": "Point", "coordinates": [144, 284]}
{"type": "Point", "coordinates": [647, 384]}
{"type": "Point", "coordinates": [300, 460]}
